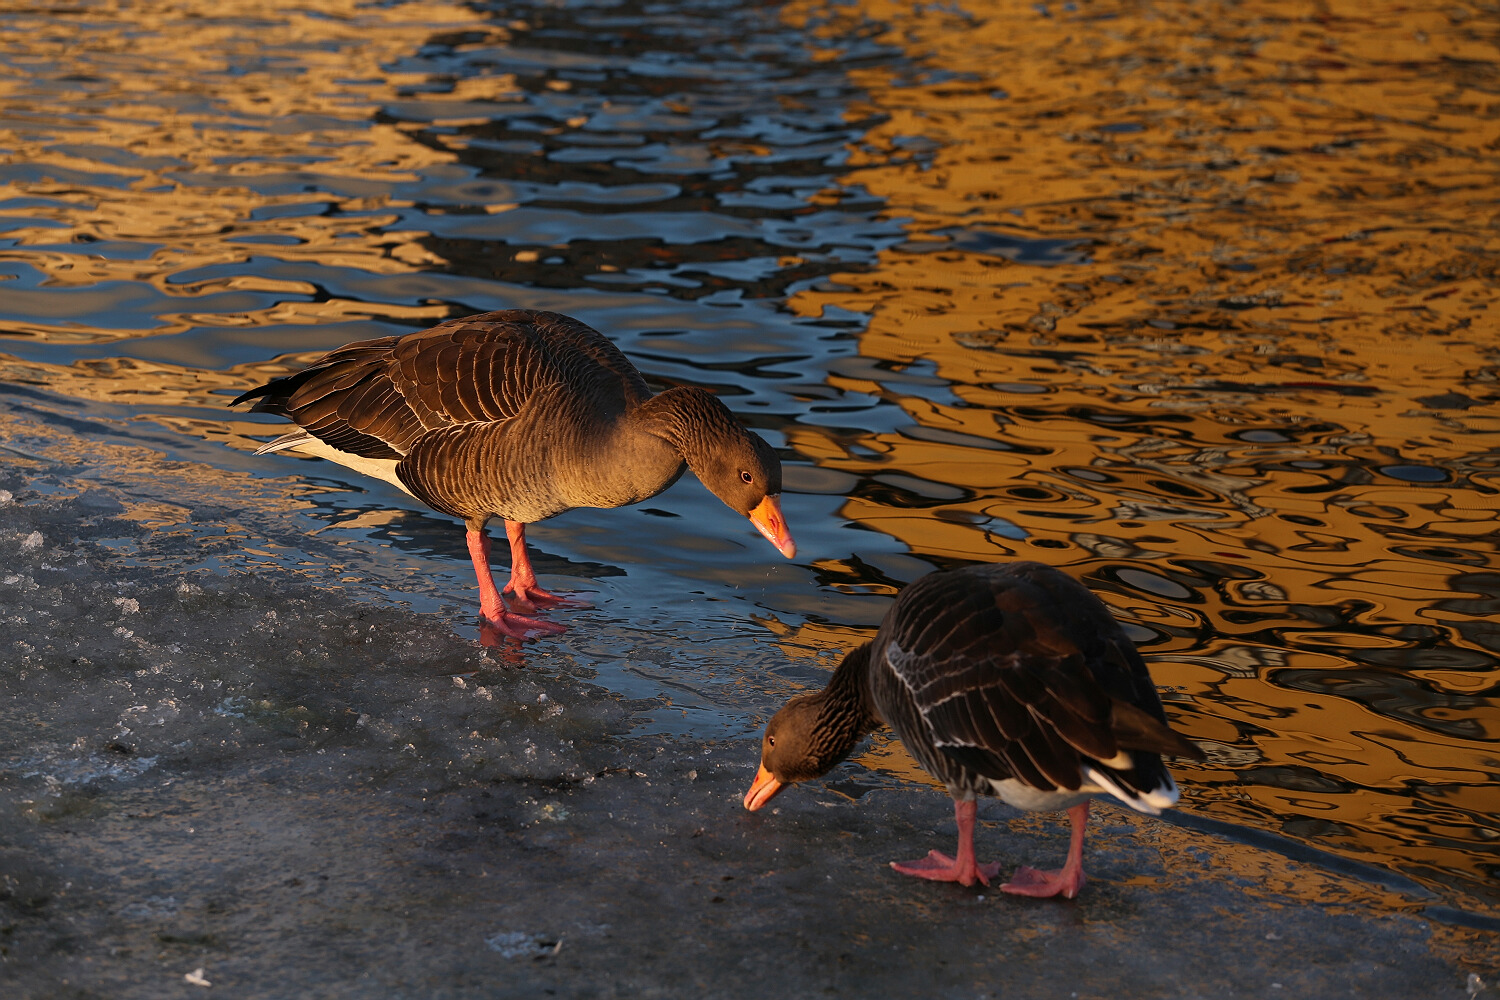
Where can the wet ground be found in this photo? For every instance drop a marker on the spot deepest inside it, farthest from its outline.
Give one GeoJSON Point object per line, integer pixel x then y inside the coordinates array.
{"type": "Point", "coordinates": [1190, 300]}
{"type": "Point", "coordinates": [304, 792]}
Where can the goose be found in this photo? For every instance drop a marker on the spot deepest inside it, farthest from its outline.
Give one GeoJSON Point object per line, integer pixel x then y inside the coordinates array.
{"type": "Point", "coordinates": [1011, 680]}
{"type": "Point", "coordinates": [518, 415]}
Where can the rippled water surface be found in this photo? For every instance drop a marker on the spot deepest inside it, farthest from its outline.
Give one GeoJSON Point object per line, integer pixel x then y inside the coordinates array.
{"type": "Point", "coordinates": [1192, 300]}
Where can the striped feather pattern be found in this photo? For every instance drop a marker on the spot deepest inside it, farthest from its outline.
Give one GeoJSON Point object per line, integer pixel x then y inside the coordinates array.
{"type": "Point", "coordinates": [1017, 671]}
{"type": "Point", "coordinates": [376, 398]}
{"type": "Point", "coordinates": [517, 414]}
{"type": "Point", "coordinates": [450, 469]}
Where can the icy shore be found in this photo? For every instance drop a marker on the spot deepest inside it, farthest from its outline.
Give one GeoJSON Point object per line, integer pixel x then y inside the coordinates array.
{"type": "Point", "coordinates": [214, 757]}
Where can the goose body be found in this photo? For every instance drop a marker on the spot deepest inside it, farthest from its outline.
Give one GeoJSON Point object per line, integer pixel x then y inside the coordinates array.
{"type": "Point", "coordinates": [1010, 680]}
{"type": "Point", "coordinates": [518, 415]}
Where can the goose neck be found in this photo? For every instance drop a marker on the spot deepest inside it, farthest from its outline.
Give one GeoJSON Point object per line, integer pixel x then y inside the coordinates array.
{"type": "Point", "coordinates": [848, 708]}
{"type": "Point", "coordinates": [686, 417]}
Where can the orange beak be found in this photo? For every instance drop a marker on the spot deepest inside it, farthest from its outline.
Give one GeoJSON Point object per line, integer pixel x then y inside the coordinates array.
{"type": "Point", "coordinates": [768, 520]}
{"type": "Point", "coordinates": [765, 788]}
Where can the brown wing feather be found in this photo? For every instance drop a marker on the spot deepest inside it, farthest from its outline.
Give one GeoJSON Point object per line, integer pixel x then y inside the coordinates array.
{"type": "Point", "coordinates": [1018, 671]}
{"type": "Point", "coordinates": [486, 367]}
{"type": "Point", "coordinates": [376, 398]}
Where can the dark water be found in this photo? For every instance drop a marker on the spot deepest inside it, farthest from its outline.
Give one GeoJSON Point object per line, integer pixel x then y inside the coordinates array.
{"type": "Point", "coordinates": [1194, 302]}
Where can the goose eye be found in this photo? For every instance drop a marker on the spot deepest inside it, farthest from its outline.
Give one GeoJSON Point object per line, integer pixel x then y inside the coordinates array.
{"type": "Point", "coordinates": [771, 741]}
{"type": "Point", "coordinates": [746, 477]}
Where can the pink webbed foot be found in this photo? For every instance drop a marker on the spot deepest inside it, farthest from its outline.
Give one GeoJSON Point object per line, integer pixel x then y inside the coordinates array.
{"type": "Point", "coordinates": [1031, 882]}
{"type": "Point", "coordinates": [533, 598]}
{"type": "Point", "coordinates": [495, 629]}
{"type": "Point", "coordinates": [499, 623]}
{"type": "Point", "coordinates": [526, 595]}
{"type": "Point", "coordinates": [963, 869]}
{"type": "Point", "coordinates": [939, 867]}
{"type": "Point", "coordinates": [1067, 880]}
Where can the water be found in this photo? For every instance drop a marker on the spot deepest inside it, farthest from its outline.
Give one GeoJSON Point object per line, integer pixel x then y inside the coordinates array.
{"type": "Point", "coordinates": [1192, 301]}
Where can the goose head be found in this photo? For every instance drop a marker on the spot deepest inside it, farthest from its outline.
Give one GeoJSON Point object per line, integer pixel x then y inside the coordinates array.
{"type": "Point", "coordinates": [734, 463]}
{"type": "Point", "coordinates": [813, 732]}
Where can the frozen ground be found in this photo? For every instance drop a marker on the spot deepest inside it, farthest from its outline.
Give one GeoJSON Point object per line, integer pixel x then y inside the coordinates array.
{"type": "Point", "coordinates": [225, 746]}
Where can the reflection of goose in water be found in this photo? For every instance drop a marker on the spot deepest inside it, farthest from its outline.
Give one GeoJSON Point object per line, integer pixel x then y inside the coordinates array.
{"type": "Point", "coordinates": [518, 415]}
{"type": "Point", "coordinates": [1010, 680]}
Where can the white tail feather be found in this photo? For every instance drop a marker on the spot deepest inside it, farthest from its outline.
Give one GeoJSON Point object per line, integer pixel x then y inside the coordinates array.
{"type": "Point", "coordinates": [1150, 802]}
{"type": "Point", "coordinates": [288, 440]}
{"type": "Point", "coordinates": [312, 447]}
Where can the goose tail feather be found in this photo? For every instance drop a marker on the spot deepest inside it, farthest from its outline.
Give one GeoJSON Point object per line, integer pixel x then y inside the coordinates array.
{"type": "Point", "coordinates": [288, 440]}
{"type": "Point", "coordinates": [1150, 801]}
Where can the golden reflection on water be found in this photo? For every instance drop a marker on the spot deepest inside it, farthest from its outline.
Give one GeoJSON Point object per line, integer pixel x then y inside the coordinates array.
{"type": "Point", "coordinates": [163, 116]}
{"type": "Point", "coordinates": [176, 110]}
{"type": "Point", "coordinates": [1192, 300]}
{"type": "Point", "coordinates": [1196, 303]}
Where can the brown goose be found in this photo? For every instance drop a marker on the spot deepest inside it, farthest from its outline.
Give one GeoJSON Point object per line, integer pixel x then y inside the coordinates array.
{"type": "Point", "coordinates": [1008, 680]}
{"type": "Point", "coordinates": [518, 415]}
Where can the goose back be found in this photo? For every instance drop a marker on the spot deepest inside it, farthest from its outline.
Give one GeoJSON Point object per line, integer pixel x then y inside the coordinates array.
{"type": "Point", "coordinates": [518, 414]}
{"type": "Point", "coordinates": [375, 398]}
{"type": "Point", "coordinates": [1016, 672]}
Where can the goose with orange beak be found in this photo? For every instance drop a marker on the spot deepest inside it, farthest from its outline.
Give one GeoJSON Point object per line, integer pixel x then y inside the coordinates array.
{"type": "Point", "coordinates": [518, 415]}
{"type": "Point", "coordinates": [1008, 680]}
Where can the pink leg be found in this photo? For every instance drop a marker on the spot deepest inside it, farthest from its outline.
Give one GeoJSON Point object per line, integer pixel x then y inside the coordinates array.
{"type": "Point", "coordinates": [528, 596]}
{"type": "Point", "coordinates": [938, 867]}
{"type": "Point", "coordinates": [491, 605]}
{"type": "Point", "coordinates": [1067, 881]}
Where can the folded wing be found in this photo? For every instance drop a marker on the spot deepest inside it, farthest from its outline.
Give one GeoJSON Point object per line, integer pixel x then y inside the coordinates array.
{"type": "Point", "coordinates": [375, 398]}
{"type": "Point", "coordinates": [1029, 678]}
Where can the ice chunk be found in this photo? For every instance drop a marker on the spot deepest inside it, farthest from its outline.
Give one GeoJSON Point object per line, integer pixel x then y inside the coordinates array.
{"type": "Point", "coordinates": [128, 605]}
{"type": "Point", "coordinates": [32, 542]}
{"type": "Point", "coordinates": [58, 770]}
{"type": "Point", "coordinates": [519, 944]}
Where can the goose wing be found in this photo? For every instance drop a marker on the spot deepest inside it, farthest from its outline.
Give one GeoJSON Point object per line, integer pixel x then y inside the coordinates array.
{"type": "Point", "coordinates": [1019, 672]}
{"type": "Point", "coordinates": [376, 397]}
